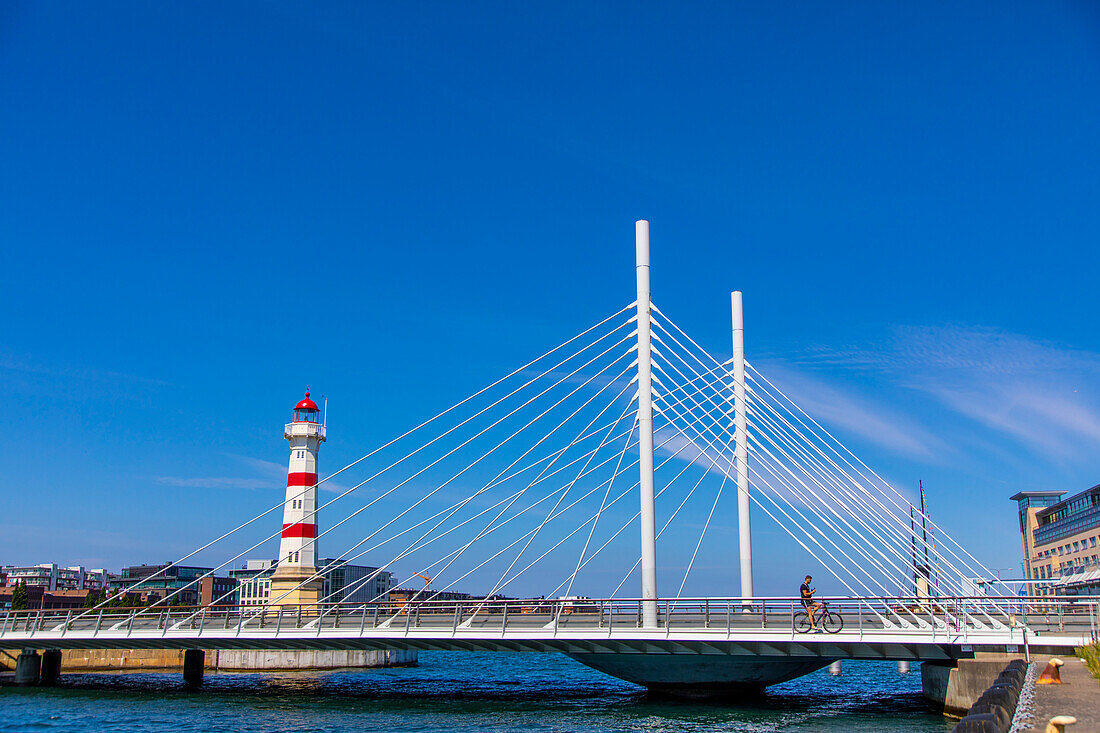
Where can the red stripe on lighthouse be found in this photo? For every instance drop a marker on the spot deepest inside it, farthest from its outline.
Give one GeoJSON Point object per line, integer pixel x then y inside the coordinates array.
{"type": "Point", "coordinates": [301, 479]}
{"type": "Point", "coordinates": [300, 529]}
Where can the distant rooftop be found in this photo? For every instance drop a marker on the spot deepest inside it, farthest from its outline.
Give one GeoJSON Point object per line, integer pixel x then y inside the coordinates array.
{"type": "Point", "coordinates": [1070, 501]}
{"type": "Point", "coordinates": [1033, 494]}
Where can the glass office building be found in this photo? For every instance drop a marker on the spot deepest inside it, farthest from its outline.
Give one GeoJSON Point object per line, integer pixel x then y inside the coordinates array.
{"type": "Point", "coordinates": [1061, 541]}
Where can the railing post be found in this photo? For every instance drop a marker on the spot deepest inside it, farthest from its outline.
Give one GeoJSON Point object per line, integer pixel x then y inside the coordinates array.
{"type": "Point", "coordinates": [504, 620]}
{"type": "Point", "coordinates": [706, 613]}
{"type": "Point", "coordinates": [68, 618]}
{"type": "Point", "coordinates": [202, 619]}
{"type": "Point", "coordinates": [362, 620]}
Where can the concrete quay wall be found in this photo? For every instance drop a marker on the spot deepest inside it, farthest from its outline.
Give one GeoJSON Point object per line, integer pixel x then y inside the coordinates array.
{"type": "Point", "coordinates": [261, 660]}
{"type": "Point", "coordinates": [156, 660]}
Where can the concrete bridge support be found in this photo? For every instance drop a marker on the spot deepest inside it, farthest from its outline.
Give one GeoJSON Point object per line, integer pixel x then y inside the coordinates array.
{"type": "Point", "coordinates": [51, 667]}
{"type": "Point", "coordinates": [954, 687]}
{"type": "Point", "coordinates": [194, 662]}
{"type": "Point", "coordinates": [28, 668]}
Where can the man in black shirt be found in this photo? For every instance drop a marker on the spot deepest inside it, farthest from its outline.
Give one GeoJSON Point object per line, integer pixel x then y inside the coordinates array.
{"type": "Point", "coordinates": [808, 602]}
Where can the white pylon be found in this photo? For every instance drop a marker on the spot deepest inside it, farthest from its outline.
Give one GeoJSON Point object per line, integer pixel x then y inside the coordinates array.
{"type": "Point", "coordinates": [645, 430]}
{"type": "Point", "coordinates": [741, 449]}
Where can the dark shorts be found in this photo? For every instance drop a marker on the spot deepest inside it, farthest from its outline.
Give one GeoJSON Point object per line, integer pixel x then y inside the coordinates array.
{"type": "Point", "coordinates": [807, 602]}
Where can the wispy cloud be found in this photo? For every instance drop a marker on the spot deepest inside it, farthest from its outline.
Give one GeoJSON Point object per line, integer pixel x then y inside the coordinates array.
{"type": "Point", "coordinates": [1040, 395]}
{"type": "Point", "coordinates": [869, 419]}
{"type": "Point", "coordinates": [217, 482]}
{"type": "Point", "coordinates": [265, 475]}
{"type": "Point", "coordinates": [10, 362]}
{"type": "Point", "coordinates": [71, 545]}
{"type": "Point", "coordinates": [708, 450]}
{"type": "Point", "coordinates": [276, 473]}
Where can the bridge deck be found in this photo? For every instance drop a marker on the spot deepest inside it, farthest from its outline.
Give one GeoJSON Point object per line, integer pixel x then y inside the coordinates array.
{"type": "Point", "coordinates": [885, 629]}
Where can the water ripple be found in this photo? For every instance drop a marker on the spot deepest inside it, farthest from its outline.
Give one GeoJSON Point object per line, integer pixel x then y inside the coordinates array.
{"type": "Point", "coordinates": [457, 691]}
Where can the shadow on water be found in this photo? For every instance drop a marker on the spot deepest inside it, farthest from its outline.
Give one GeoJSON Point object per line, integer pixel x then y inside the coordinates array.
{"type": "Point", "coordinates": [463, 692]}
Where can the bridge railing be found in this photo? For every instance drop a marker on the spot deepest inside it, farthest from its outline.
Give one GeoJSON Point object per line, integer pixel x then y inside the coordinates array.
{"type": "Point", "coordinates": [941, 616]}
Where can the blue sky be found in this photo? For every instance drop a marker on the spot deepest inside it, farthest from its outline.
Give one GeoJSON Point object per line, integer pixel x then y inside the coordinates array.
{"type": "Point", "coordinates": [208, 206]}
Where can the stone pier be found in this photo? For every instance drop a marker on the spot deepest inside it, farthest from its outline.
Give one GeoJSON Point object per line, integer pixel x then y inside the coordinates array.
{"type": "Point", "coordinates": [28, 668]}
{"type": "Point", "coordinates": [51, 667]}
{"type": "Point", "coordinates": [194, 663]}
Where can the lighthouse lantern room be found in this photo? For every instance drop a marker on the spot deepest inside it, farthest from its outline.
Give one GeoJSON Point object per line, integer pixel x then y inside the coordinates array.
{"type": "Point", "coordinates": [292, 582]}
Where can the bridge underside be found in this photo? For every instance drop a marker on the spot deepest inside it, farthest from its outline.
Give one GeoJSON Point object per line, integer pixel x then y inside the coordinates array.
{"type": "Point", "coordinates": [702, 676]}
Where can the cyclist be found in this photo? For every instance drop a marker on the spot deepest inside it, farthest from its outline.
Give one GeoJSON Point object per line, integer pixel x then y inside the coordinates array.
{"type": "Point", "coordinates": [809, 603]}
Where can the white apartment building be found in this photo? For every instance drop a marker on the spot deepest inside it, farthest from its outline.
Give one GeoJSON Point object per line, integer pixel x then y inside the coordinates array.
{"type": "Point", "coordinates": [49, 576]}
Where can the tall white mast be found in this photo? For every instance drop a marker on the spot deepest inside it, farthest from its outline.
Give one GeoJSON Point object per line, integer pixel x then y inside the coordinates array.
{"type": "Point", "coordinates": [645, 430]}
{"type": "Point", "coordinates": [741, 449]}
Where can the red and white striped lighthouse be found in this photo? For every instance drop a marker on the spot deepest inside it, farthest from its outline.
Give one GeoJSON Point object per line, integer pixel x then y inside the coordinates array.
{"type": "Point", "coordinates": [298, 548]}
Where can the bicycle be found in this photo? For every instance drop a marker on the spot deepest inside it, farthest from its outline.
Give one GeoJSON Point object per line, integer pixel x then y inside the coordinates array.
{"type": "Point", "coordinates": [828, 621]}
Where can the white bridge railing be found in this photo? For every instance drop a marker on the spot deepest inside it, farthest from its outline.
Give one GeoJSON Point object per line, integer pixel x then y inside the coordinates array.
{"type": "Point", "coordinates": [925, 619]}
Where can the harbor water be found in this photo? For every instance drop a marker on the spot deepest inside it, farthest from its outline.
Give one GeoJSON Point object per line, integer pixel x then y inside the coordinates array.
{"type": "Point", "coordinates": [462, 691]}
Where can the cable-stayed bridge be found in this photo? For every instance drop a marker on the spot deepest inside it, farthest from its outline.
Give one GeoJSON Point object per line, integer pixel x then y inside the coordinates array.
{"type": "Point", "coordinates": [577, 476]}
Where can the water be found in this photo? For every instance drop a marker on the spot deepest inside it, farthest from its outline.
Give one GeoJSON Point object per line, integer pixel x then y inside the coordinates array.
{"type": "Point", "coordinates": [461, 691]}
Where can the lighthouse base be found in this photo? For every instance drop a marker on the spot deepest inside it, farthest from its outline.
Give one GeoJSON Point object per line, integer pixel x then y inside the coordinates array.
{"type": "Point", "coordinates": [291, 585]}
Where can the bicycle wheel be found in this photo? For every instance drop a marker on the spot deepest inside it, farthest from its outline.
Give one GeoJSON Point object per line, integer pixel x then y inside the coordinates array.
{"type": "Point", "coordinates": [832, 623]}
{"type": "Point", "coordinates": [801, 623]}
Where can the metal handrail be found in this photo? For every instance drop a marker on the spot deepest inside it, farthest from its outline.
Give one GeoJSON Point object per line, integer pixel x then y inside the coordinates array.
{"type": "Point", "coordinates": [938, 615]}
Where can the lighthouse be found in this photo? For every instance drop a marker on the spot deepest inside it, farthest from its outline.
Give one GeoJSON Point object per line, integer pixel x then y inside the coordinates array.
{"type": "Point", "coordinates": [298, 547]}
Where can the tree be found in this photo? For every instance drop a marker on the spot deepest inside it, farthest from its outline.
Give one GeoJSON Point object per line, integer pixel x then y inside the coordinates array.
{"type": "Point", "coordinates": [94, 598]}
{"type": "Point", "coordinates": [19, 596]}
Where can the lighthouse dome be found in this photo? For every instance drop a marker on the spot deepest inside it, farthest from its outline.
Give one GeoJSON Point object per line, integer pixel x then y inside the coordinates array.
{"type": "Point", "coordinates": [306, 410]}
